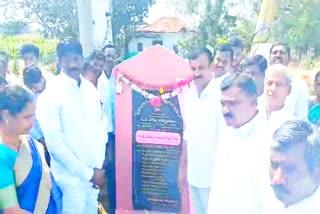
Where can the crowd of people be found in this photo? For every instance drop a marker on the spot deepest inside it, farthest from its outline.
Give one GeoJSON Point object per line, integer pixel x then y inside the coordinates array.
{"type": "Point", "coordinates": [245, 117]}
{"type": "Point", "coordinates": [63, 122]}
{"type": "Point", "coordinates": [249, 127]}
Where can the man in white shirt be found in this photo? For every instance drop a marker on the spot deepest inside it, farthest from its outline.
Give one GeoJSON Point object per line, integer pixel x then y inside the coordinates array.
{"type": "Point", "coordinates": [223, 58]}
{"type": "Point", "coordinates": [277, 88]}
{"type": "Point", "coordinates": [256, 66]}
{"type": "Point", "coordinates": [238, 56]}
{"type": "Point", "coordinates": [30, 54]}
{"type": "Point", "coordinates": [236, 181]}
{"type": "Point", "coordinates": [298, 100]}
{"type": "Point", "coordinates": [200, 130]}
{"type": "Point", "coordinates": [108, 78]}
{"type": "Point", "coordinates": [294, 169]}
{"type": "Point", "coordinates": [73, 123]}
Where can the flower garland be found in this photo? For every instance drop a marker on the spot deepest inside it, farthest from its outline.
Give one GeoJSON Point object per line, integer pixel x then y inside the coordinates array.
{"type": "Point", "coordinates": [155, 100]}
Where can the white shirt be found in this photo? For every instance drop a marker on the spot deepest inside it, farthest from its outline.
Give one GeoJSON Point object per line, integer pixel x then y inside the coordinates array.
{"type": "Point", "coordinates": [103, 87]}
{"type": "Point", "coordinates": [236, 183]}
{"type": "Point", "coordinates": [309, 205]}
{"type": "Point", "coordinates": [218, 81]}
{"type": "Point", "coordinates": [73, 123]}
{"type": "Point", "coordinates": [261, 102]}
{"type": "Point", "coordinates": [13, 79]}
{"type": "Point", "coordinates": [298, 100]}
{"type": "Point", "coordinates": [201, 134]}
{"type": "Point", "coordinates": [278, 118]}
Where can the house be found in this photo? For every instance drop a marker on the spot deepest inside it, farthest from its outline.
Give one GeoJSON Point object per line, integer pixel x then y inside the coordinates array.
{"type": "Point", "coordinates": [167, 31]}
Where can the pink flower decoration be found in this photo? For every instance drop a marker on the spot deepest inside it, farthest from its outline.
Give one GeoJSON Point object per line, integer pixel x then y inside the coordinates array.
{"type": "Point", "coordinates": [156, 102]}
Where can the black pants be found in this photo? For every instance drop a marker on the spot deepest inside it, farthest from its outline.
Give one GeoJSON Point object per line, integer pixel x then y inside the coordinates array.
{"type": "Point", "coordinates": [111, 172]}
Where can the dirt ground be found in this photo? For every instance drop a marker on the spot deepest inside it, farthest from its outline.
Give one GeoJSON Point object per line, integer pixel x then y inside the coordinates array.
{"type": "Point", "coordinates": [306, 75]}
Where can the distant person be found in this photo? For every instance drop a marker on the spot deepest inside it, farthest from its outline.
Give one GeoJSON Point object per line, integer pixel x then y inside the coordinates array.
{"type": "Point", "coordinates": [294, 169]}
{"type": "Point", "coordinates": [277, 88]}
{"type": "Point", "coordinates": [256, 66]}
{"type": "Point", "coordinates": [72, 120]}
{"type": "Point", "coordinates": [298, 100]}
{"type": "Point", "coordinates": [201, 130]}
{"type": "Point", "coordinates": [26, 185]}
{"type": "Point", "coordinates": [33, 79]}
{"type": "Point", "coordinates": [316, 100]}
{"type": "Point", "coordinates": [93, 71]}
{"type": "Point", "coordinates": [222, 61]}
{"type": "Point", "coordinates": [107, 77]}
{"type": "Point", "coordinates": [88, 74]}
{"type": "Point", "coordinates": [237, 178]}
{"type": "Point", "coordinates": [4, 69]}
{"type": "Point", "coordinates": [238, 55]}
{"type": "Point", "coordinates": [30, 54]}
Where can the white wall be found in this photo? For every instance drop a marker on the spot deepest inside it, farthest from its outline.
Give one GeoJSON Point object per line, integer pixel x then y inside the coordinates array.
{"type": "Point", "coordinates": [169, 39]}
{"type": "Point", "coordinates": [101, 27]}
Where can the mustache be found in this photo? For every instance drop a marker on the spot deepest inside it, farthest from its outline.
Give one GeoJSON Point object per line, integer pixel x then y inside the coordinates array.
{"type": "Point", "coordinates": [280, 189]}
{"type": "Point", "coordinates": [228, 115]}
{"type": "Point", "coordinates": [278, 58]}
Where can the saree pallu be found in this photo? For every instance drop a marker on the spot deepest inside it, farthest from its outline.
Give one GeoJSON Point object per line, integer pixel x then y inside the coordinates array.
{"type": "Point", "coordinates": [36, 189]}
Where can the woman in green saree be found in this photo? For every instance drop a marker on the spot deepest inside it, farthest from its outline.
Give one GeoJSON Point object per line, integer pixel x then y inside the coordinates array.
{"type": "Point", "coordinates": [26, 185]}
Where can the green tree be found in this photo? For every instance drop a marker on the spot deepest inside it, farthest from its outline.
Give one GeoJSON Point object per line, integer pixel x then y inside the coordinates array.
{"type": "Point", "coordinates": [125, 16]}
{"type": "Point", "coordinates": [12, 28]}
{"type": "Point", "coordinates": [57, 18]}
{"type": "Point", "coordinates": [298, 25]}
{"type": "Point", "coordinates": [215, 22]}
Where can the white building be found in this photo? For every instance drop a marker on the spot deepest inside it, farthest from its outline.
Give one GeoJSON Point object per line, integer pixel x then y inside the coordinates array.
{"type": "Point", "coordinates": [167, 31]}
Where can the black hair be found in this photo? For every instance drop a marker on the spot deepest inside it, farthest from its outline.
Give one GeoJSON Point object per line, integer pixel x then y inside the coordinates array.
{"type": "Point", "coordinates": [14, 99]}
{"type": "Point", "coordinates": [258, 60]}
{"type": "Point", "coordinates": [241, 80]}
{"type": "Point", "coordinates": [236, 43]}
{"type": "Point", "coordinates": [107, 46]}
{"type": "Point", "coordinates": [32, 75]}
{"type": "Point", "coordinates": [68, 45]}
{"type": "Point", "coordinates": [29, 48]}
{"type": "Point", "coordinates": [86, 67]}
{"type": "Point", "coordinates": [6, 57]}
{"type": "Point", "coordinates": [286, 46]}
{"type": "Point", "coordinates": [96, 54]}
{"type": "Point", "coordinates": [195, 53]}
{"type": "Point", "coordinates": [225, 48]}
{"type": "Point", "coordinates": [317, 75]}
{"type": "Point", "coordinates": [296, 132]}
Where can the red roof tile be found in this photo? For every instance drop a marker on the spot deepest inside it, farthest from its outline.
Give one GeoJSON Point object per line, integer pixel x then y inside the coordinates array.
{"type": "Point", "coordinates": [164, 25]}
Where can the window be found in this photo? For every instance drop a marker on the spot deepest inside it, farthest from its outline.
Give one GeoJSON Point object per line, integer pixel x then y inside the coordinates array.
{"type": "Point", "coordinates": [140, 47]}
{"type": "Point", "coordinates": [154, 42]}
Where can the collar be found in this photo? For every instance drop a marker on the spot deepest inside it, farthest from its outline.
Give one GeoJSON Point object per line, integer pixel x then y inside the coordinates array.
{"type": "Point", "coordinates": [223, 76]}
{"type": "Point", "coordinates": [207, 91]}
{"type": "Point", "coordinates": [248, 128]}
{"type": "Point", "coordinates": [71, 81]}
{"type": "Point", "coordinates": [278, 113]}
{"type": "Point", "coordinates": [313, 198]}
{"type": "Point", "coordinates": [103, 77]}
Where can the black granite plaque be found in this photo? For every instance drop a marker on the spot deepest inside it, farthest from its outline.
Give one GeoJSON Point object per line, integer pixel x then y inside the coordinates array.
{"type": "Point", "coordinates": [157, 138]}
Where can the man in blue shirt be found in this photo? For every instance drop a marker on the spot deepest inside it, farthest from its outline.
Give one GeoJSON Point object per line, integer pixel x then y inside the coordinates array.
{"type": "Point", "coordinates": [111, 59]}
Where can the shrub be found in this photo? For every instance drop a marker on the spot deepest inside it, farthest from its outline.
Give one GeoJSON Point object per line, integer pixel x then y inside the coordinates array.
{"type": "Point", "coordinates": [12, 44]}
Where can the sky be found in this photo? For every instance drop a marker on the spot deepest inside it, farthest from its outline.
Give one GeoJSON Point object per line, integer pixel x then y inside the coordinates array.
{"type": "Point", "coordinates": [159, 9]}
